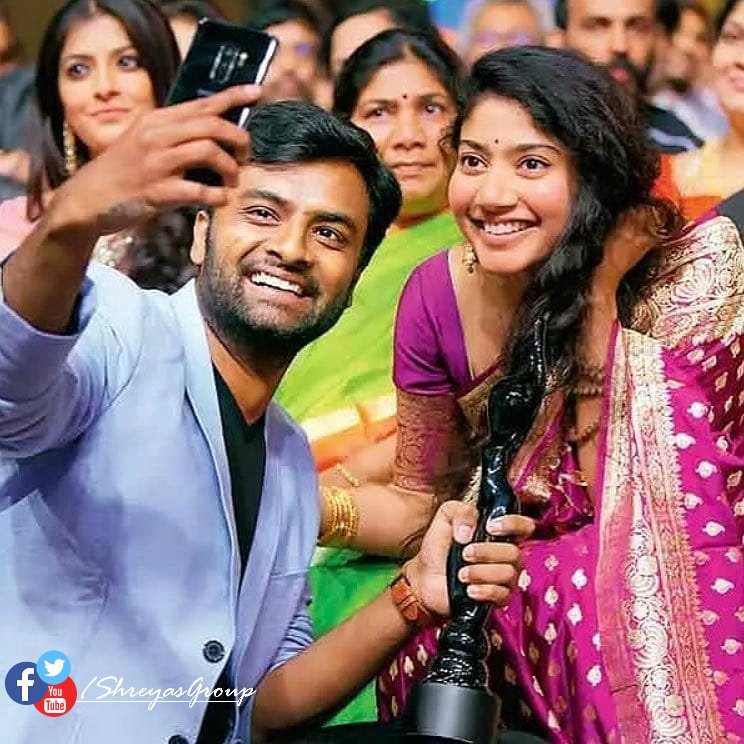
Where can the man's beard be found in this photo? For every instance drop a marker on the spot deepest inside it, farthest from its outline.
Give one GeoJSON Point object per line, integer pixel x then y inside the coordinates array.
{"type": "Point", "coordinates": [635, 77]}
{"type": "Point", "coordinates": [680, 85]}
{"type": "Point", "coordinates": [251, 330]}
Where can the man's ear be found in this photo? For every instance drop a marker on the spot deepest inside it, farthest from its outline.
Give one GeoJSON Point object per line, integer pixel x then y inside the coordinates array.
{"type": "Point", "coordinates": [199, 243]}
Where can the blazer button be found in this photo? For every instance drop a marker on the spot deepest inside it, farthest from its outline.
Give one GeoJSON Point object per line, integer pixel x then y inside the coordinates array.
{"type": "Point", "coordinates": [213, 651]}
{"type": "Point", "coordinates": [178, 739]}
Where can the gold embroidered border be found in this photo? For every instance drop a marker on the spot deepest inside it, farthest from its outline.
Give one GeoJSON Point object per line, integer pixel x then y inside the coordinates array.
{"type": "Point", "coordinates": [665, 634]}
{"type": "Point", "coordinates": [474, 402]}
{"type": "Point", "coordinates": [696, 292]}
{"type": "Point", "coordinates": [614, 522]}
{"type": "Point", "coordinates": [430, 436]}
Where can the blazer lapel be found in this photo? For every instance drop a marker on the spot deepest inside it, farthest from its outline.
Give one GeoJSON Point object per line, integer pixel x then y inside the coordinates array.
{"type": "Point", "coordinates": [263, 551]}
{"type": "Point", "coordinates": [202, 394]}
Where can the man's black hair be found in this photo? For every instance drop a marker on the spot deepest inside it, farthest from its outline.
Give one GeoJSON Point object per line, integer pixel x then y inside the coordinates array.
{"type": "Point", "coordinates": [299, 132]}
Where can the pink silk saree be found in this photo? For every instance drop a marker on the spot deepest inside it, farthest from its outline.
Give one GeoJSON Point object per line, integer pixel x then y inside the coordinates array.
{"type": "Point", "coordinates": [628, 621]}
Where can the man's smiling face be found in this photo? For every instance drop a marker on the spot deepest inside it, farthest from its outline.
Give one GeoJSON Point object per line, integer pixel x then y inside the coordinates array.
{"type": "Point", "coordinates": [278, 263]}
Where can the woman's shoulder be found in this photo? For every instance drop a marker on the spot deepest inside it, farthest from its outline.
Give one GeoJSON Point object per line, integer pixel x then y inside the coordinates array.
{"type": "Point", "coordinates": [14, 224]}
{"type": "Point", "coordinates": [435, 267]}
{"type": "Point", "coordinates": [429, 284]}
{"type": "Point", "coordinates": [695, 290]}
{"type": "Point", "coordinates": [14, 207]}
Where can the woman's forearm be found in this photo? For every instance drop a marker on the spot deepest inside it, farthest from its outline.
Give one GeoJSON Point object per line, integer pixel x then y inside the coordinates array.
{"type": "Point", "coordinates": [388, 517]}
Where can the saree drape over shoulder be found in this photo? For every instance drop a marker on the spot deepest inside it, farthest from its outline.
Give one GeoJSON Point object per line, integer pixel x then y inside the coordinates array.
{"type": "Point", "coordinates": [628, 621]}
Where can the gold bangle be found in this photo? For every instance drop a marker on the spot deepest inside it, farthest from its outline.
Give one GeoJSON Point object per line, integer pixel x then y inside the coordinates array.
{"type": "Point", "coordinates": [352, 480]}
{"type": "Point", "coordinates": [344, 523]}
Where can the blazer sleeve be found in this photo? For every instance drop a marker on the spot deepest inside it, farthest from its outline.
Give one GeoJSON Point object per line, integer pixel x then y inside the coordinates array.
{"type": "Point", "coordinates": [299, 635]}
{"type": "Point", "coordinates": [53, 387]}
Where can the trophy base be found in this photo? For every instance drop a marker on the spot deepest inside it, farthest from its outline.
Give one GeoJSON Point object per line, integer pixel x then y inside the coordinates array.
{"type": "Point", "coordinates": [447, 713]}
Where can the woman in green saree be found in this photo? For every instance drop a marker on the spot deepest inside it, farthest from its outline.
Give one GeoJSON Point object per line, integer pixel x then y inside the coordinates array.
{"type": "Point", "coordinates": [405, 90]}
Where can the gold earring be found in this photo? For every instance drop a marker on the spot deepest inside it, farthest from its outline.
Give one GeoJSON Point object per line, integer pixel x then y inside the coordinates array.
{"type": "Point", "coordinates": [470, 259]}
{"type": "Point", "coordinates": [70, 148]}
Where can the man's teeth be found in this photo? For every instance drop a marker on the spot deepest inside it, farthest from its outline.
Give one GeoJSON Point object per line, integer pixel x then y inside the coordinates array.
{"type": "Point", "coordinates": [505, 228]}
{"type": "Point", "coordinates": [269, 280]}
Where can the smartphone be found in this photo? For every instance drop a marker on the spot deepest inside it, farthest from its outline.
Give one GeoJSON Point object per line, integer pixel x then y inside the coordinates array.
{"type": "Point", "coordinates": [222, 55]}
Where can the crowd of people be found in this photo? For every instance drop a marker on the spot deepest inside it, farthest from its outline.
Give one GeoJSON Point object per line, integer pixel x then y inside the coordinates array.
{"type": "Point", "coordinates": [241, 424]}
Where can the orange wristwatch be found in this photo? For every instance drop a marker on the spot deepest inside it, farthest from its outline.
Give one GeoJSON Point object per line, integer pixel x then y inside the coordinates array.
{"type": "Point", "coordinates": [408, 603]}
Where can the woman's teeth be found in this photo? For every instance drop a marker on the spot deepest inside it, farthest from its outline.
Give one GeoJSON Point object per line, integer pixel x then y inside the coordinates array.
{"type": "Point", "coordinates": [505, 228]}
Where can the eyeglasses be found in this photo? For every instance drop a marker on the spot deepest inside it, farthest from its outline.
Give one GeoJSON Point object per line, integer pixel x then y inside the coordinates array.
{"type": "Point", "coordinates": [499, 39]}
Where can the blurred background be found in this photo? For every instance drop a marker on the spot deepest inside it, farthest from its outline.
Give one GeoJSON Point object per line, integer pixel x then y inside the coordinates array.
{"type": "Point", "coordinates": [31, 16]}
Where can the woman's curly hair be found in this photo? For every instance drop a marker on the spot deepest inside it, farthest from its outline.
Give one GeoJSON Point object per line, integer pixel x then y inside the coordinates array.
{"type": "Point", "coordinates": [595, 119]}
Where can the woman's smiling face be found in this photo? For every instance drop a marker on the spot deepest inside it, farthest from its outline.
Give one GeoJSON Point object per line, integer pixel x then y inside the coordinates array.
{"type": "Point", "coordinates": [512, 188]}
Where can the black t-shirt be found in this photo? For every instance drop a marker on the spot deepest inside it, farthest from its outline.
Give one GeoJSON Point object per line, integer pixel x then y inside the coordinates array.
{"type": "Point", "coordinates": [246, 457]}
{"type": "Point", "coordinates": [667, 132]}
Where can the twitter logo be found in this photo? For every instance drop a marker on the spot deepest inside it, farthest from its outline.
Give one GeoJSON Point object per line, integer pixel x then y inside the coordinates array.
{"type": "Point", "coordinates": [53, 667]}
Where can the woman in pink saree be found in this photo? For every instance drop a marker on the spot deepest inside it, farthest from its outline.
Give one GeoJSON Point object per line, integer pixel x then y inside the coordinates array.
{"type": "Point", "coordinates": [627, 620]}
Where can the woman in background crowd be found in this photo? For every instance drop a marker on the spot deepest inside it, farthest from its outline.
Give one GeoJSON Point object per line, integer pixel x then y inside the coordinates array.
{"type": "Point", "coordinates": [716, 170]}
{"type": "Point", "coordinates": [101, 65]}
{"type": "Point", "coordinates": [404, 89]}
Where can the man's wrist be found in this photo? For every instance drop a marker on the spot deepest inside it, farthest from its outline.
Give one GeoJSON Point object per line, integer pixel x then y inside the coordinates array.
{"type": "Point", "coordinates": [407, 598]}
{"type": "Point", "coordinates": [67, 221]}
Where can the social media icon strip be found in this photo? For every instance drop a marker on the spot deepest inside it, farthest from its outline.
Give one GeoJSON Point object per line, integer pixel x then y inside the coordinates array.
{"type": "Point", "coordinates": [53, 667]}
{"type": "Point", "coordinates": [23, 684]}
{"type": "Point", "coordinates": [46, 685]}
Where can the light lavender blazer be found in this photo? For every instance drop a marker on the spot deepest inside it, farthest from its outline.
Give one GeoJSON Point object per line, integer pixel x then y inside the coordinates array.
{"type": "Point", "coordinates": [117, 535]}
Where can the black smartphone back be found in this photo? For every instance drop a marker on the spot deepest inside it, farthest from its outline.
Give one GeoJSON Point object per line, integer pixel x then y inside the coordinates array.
{"type": "Point", "coordinates": [223, 55]}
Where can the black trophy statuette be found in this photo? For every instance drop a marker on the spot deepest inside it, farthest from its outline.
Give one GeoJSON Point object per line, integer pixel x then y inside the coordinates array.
{"type": "Point", "coordinates": [453, 703]}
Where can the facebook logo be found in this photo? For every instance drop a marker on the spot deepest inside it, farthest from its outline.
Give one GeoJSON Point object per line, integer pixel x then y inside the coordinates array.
{"type": "Point", "coordinates": [23, 684]}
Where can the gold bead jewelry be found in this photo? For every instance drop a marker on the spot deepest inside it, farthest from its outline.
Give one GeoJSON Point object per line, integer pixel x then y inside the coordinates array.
{"type": "Point", "coordinates": [591, 372]}
{"type": "Point", "coordinates": [343, 471]}
{"type": "Point", "coordinates": [70, 149]}
{"type": "Point", "coordinates": [585, 436]}
{"type": "Point", "coordinates": [588, 390]}
{"type": "Point", "coordinates": [470, 259]}
{"type": "Point", "coordinates": [344, 516]}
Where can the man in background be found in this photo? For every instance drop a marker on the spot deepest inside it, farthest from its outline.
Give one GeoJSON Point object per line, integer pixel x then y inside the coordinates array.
{"type": "Point", "coordinates": [622, 36]}
{"type": "Point", "coordinates": [496, 24]}
{"type": "Point", "coordinates": [680, 77]}
{"type": "Point", "coordinates": [295, 73]}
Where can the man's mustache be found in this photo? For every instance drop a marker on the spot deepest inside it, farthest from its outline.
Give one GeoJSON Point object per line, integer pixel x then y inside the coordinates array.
{"type": "Point", "coordinates": [620, 63]}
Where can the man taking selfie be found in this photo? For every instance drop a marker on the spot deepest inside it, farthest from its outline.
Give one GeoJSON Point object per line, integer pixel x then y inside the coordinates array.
{"type": "Point", "coordinates": [157, 511]}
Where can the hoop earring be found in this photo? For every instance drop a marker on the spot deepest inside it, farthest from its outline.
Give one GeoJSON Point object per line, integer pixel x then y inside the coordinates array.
{"type": "Point", "coordinates": [470, 259]}
{"type": "Point", "coordinates": [70, 149]}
